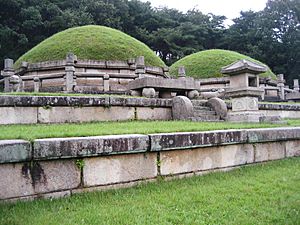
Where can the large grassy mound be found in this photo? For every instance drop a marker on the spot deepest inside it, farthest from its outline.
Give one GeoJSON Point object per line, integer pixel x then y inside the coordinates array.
{"type": "Point", "coordinates": [207, 64]}
{"type": "Point", "coordinates": [91, 42]}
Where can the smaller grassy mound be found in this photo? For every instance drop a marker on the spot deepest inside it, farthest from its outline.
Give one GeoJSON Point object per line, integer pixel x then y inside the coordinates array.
{"type": "Point", "coordinates": [90, 42]}
{"type": "Point", "coordinates": [207, 64]}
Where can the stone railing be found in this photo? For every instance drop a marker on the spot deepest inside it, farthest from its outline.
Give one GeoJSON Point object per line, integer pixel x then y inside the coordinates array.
{"type": "Point", "coordinates": [60, 167]}
{"type": "Point", "coordinates": [77, 75]}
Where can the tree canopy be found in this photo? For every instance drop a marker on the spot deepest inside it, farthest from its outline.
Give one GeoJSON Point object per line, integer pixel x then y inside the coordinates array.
{"type": "Point", "coordinates": [271, 35]}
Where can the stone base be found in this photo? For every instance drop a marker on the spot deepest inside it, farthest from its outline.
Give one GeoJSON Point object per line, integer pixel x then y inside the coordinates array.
{"type": "Point", "coordinates": [244, 116]}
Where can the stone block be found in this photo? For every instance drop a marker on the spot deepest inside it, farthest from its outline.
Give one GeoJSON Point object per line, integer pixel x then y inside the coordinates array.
{"type": "Point", "coordinates": [293, 148]}
{"type": "Point", "coordinates": [21, 180]}
{"type": "Point", "coordinates": [119, 168]}
{"type": "Point", "coordinates": [269, 151]}
{"type": "Point", "coordinates": [245, 104]}
{"type": "Point", "coordinates": [273, 134]}
{"type": "Point", "coordinates": [200, 159]}
{"type": "Point", "coordinates": [15, 181]}
{"type": "Point", "coordinates": [219, 106]}
{"type": "Point", "coordinates": [15, 151]}
{"type": "Point", "coordinates": [188, 140]}
{"type": "Point", "coordinates": [89, 146]}
{"type": "Point", "coordinates": [18, 115]}
{"type": "Point", "coordinates": [50, 176]}
{"type": "Point", "coordinates": [84, 114]}
{"type": "Point", "coordinates": [147, 113]}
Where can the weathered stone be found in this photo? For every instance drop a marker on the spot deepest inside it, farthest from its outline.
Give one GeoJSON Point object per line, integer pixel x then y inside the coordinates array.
{"type": "Point", "coordinates": [18, 115]}
{"type": "Point", "coordinates": [15, 151]}
{"type": "Point", "coordinates": [106, 83]}
{"type": "Point", "coordinates": [293, 148]}
{"type": "Point", "coordinates": [296, 85]}
{"type": "Point", "coordinates": [84, 114]}
{"type": "Point", "coordinates": [146, 113]}
{"type": "Point", "coordinates": [219, 106]}
{"type": "Point", "coordinates": [181, 72]}
{"type": "Point", "coordinates": [200, 159]}
{"type": "Point", "coordinates": [21, 180]}
{"type": "Point", "coordinates": [244, 104]}
{"type": "Point", "coordinates": [193, 94]}
{"type": "Point", "coordinates": [89, 146]}
{"type": "Point", "coordinates": [119, 168]}
{"type": "Point", "coordinates": [51, 176]}
{"type": "Point", "coordinates": [135, 93]}
{"type": "Point", "coordinates": [148, 92]}
{"type": "Point", "coordinates": [212, 94]}
{"type": "Point", "coordinates": [189, 140]}
{"type": "Point", "coordinates": [243, 66]}
{"type": "Point", "coordinates": [8, 65]}
{"type": "Point", "coordinates": [182, 108]}
{"type": "Point", "coordinates": [273, 134]}
{"type": "Point", "coordinates": [15, 181]}
{"type": "Point", "coordinates": [269, 151]}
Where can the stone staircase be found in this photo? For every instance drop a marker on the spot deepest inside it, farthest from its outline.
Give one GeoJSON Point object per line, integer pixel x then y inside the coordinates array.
{"type": "Point", "coordinates": [203, 112]}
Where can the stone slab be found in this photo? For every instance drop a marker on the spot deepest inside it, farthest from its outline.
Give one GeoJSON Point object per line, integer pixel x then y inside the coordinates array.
{"type": "Point", "coordinates": [209, 158]}
{"type": "Point", "coordinates": [147, 113]}
{"type": "Point", "coordinates": [25, 179]}
{"type": "Point", "coordinates": [84, 114]}
{"type": "Point", "coordinates": [293, 148]}
{"type": "Point", "coordinates": [89, 146]}
{"type": "Point", "coordinates": [269, 151]}
{"type": "Point", "coordinates": [188, 140]}
{"type": "Point", "coordinates": [15, 151]}
{"type": "Point", "coordinates": [18, 115]}
{"type": "Point", "coordinates": [119, 168]}
{"type": "Point", "coordinates": [273, 134]}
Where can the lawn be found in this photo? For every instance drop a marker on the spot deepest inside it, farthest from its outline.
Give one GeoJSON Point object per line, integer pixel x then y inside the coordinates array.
{"type": "Point", "coordinates": [31, 132]}
{"type": "Point", "coordinates": [261, 194]}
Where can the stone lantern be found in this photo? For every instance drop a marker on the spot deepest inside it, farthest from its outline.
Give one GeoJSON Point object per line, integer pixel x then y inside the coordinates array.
{"type": "Point", "coordinates": [244, 90]}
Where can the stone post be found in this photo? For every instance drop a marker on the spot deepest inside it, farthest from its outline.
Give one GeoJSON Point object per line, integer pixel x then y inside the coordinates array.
{"type": "Point", "coordinates": [140, 66]}
{"type": "Point", "coordinates": [166, 71]}
{"type": "Point", "coordinates": [181, 72]}
{"type": "Point", "coordinates": [280, 85]}
{"type": "Point", "coordinates": [244, 90]}
{"type": "Point", "coordinates": [106, 87]}
{"type": "Point", "coordinates": [36, 84]}
{"type": "Point", "coordinates": [8, 72]}
{"type": "Point", "coordinates": [70, 73]}
{"type": "Point", "coordinates": [296, 85]}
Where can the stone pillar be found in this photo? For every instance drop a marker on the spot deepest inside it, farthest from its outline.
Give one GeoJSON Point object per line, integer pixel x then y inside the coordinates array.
{"type": "Point", "coordinates": [296, 85]}
{"type": "Point", "coordinates": [70, 73]}
{"type": "Point", "coordinates": [181, 72]}
{"type": "Point", "coordinates": [8, 72]}
{"type": "Point", "coordinates": [166, 71]}
{"type": "Point", "coordinates": [140, 67]}
{"type": "Point", "coordinates": [280, 85]}
{"type": "Point", "coordinates": [244, 90]}
{"type": "Point", "coordinates": [106, 87]}
{"type": "Point", "coordinates": [36, 84]}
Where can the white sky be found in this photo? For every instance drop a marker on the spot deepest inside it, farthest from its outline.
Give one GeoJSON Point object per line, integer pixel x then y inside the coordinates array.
{"type": "Point", "coordinates": [229, 8]}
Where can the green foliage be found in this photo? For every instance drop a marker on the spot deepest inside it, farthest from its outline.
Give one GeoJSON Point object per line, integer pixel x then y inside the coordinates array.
{"type": "Point", "coordinates": [80, 164]}
{"type": "Point", "coordinates": [262, 194]}
{"type": "Point", "coordinates": [208, 64]}
{"type": "Point", "coordinates": [34, 131]}
{"type": "Point", "coordinates": [90, 42]}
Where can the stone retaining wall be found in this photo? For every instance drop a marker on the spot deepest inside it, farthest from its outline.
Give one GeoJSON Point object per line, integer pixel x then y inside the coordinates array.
{"type": "Point", "coordinates": [60, 167]}
{"type": "Point", "coordinates": [42, 109]}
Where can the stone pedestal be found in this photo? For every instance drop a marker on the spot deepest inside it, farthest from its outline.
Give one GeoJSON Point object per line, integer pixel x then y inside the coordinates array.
{"type": "Point", "coordinates": [140, 67]}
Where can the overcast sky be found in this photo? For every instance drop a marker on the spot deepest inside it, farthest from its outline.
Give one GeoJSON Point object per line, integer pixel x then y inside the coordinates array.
{"type": "Point", "coordinates": [228, 8]}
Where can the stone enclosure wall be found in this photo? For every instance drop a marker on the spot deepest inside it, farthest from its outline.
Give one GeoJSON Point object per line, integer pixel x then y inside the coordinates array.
{"type": "Point", "coordinates": [60, 109]}
{"type": "Point", "coordinates": [64, 166]}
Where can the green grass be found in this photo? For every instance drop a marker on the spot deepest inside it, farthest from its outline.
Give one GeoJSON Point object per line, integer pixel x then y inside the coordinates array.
{"type": "Point", "coordinates": [31, 132]}
{"type": "Point", "coordinates": [208, 64]}
{"type": "Point", "coordinates": [261, 194]}
{"type": "Point", "coordinates": [90, 42]}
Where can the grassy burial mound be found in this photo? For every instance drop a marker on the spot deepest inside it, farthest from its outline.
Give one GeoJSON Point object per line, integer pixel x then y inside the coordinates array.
{"type": "Point", "coordinates": [91, 42]}
{"type": "Point", "coordinates": [207, 64]}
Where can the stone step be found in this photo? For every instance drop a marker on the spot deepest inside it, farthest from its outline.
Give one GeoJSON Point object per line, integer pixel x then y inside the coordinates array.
{"type": "Point", "coordinates": [199, 102]}
{"type": "Point", "coordinates": [202, 108]}
{"type": "Point", "coordinates": [199, 113]}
